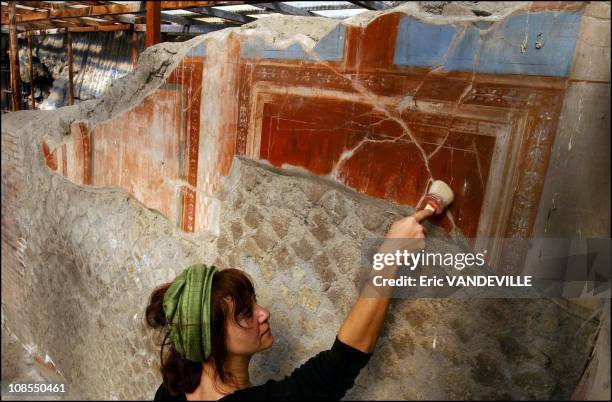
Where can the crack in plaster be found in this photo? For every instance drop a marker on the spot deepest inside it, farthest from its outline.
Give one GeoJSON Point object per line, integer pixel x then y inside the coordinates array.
{"type": "Point", "coordinates": [372, 97]}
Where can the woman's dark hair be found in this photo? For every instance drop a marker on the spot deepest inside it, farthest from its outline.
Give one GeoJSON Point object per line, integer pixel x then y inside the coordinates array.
{"type": "Point", "coordinates": [180, 375]}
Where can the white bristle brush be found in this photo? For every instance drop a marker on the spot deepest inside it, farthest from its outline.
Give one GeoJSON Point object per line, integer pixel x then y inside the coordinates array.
{"type": "Point", "coordinates": [438, 197]}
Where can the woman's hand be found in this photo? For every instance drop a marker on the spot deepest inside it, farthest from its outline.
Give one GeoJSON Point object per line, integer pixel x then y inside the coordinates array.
{"type": "Point", "coordinates": [409, 232]}
{"type": "Point", "coordinates": [409, 227]}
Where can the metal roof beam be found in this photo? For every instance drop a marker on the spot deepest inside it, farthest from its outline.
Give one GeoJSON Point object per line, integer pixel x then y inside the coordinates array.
{"type": "Point", "coordinates": [226, 15]}
{"type": "Point", "coordinates": [178, 20]}
{"type": "Point", "coordinates": [283, 8]}
{"type": "Point", "coordinates": [107, 9]}
{"type": "Point", "coordinates": [187, 29]}
{"type": "Point", "coordinates": [372, 5]}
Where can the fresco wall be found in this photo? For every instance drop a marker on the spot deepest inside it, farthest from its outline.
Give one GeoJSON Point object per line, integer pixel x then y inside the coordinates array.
{"type": "Point", "coordinates": [383, 107]}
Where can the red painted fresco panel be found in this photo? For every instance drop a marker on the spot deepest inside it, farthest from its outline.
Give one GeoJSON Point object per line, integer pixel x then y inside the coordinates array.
{"type": "Point", "coordinates": [363, 45]}
{"type": "Point", "coordinates": [64, 160]}
{"type": "Point", "coordinates": [374, 154]}
{"type": "Point", "coordinates": [141, 149]}
{"type": "Point", "coordinates": [50, 157]}
{"type": "Point", "coordinates": [312, 134]}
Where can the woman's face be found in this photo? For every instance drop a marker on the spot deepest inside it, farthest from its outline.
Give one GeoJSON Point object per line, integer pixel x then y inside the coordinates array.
{"type": "Point", "coordinates": [252, 335]}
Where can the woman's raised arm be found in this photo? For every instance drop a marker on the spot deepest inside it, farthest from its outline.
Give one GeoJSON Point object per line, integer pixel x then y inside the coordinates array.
{"type": "Point", "coordinates": [364, 322]}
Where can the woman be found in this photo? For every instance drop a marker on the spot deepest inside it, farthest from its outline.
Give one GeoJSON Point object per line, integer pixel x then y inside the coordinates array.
{"type": "Point", "coordinates": [213, 326]}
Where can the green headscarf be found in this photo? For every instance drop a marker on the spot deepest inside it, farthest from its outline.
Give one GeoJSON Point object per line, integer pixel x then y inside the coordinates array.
{"type": "Point", "coordinates": [187, 309]}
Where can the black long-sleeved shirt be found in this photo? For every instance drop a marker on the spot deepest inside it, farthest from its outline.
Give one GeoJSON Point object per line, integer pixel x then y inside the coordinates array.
{"type": "Point", "coordinates": [326, 376]}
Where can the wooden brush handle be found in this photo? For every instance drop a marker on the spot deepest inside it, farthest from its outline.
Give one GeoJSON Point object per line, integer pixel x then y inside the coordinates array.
{"type": "Point", "coordinates": [434, 203]}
